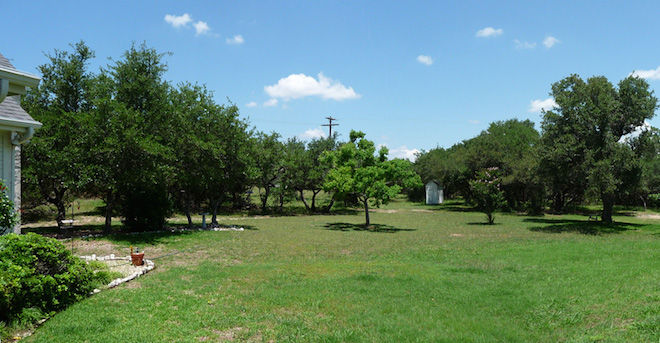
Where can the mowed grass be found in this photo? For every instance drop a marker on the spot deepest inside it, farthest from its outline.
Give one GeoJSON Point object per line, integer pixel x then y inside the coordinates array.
{"type": "Point", "coordinates": [424, 274]}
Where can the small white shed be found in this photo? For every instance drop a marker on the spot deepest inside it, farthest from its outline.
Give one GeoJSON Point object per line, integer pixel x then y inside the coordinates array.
{"type": "Point", "coordinates": [434, 193]}
{"type": "Point", "coordinates": [16, 127]}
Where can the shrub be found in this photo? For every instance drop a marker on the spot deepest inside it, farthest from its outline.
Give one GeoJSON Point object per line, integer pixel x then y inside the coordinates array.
{"type": "Point", "coordinates": [486, 192]}
{"type": "Point", "coordinates": [8, 216]}
{"type": "Point", "coordinates": [39, 275]}
{"type": "Point", "coordinates": [146, 207]}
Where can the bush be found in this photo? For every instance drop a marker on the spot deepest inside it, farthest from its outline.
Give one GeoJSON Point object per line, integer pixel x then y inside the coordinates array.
{"type": "Point", "coordinates": [38, 276]}
{"type": "Point", "coordinates": [8, 216]}
{"type": "Point", "coordinates": [146, 207]}
{"type": "Point", "coordinates": [486, 192]}
{"type": "Point", "coordinates": [416, 194]}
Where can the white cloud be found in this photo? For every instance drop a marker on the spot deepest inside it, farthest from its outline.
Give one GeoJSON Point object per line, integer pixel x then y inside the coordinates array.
{"type": "Point", "coordinates": [178, 21]}
{"type": "Point", "coordinates": [473, 121]}
{"type": "Point", "coordinates": [524, 45]}
{"type": "Point", "coordinates": [312, 133]}
{"type": "Point", "coordinates": [271, 103]}
{"type": "Point", "coordinates": [300, 85]}
{"type": "Point", "coordinates": [236, 40]}
{"type": "Point", "coordinates": [653, 74]}
{"type": "Point", "coordinates": [201, 27]}
{"type": "Point", "coordinates": [536, 106]}
{"type": "Point", "coordinates": [646, 126]}
{"type": "Point", "coordinates": [251, 104]}
{"type": "Point", "coordinates": [424, 59]}
{"type": "Point", "coordinates": [404, 152]}
{"type": "Point", "coordinates": [489, 32]}
{"type": "Point", "coordinates": [550, 41]}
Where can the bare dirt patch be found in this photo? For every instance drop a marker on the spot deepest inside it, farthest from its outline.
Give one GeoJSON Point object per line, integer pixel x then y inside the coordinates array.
{"type": "Point", "coordinates": [100, 248]}
{"type": "Point", "coordinates": [377, 210]}
{"type": "Point", "coordinates": [648, 215]}
{"type": "Point", "coordinates": [422, 211]}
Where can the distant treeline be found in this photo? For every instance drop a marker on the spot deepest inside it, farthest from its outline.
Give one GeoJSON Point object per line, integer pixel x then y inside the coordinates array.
{"type": "Point", "coordinates": [593, 145]}
{"type": "Point", "coordinates": [147, 147]}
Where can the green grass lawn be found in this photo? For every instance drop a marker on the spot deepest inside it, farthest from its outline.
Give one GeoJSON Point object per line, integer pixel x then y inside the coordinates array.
{"type": "Point", "coordinates": [424, 274]}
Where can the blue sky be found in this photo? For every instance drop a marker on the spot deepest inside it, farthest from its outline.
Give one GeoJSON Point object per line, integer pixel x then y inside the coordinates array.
{"type": "Point", "coordinates": [411, 75]}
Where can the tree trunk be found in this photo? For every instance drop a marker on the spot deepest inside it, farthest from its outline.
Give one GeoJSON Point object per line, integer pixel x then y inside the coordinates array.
{"type": "Point", "coordinates": [329, 207]}
{"type": "Point", "coordinates": [107, 229]}
{"type": "Point", "coordinates": [366, 213]}
{"type": "Point", "coordinates": [644, 202]}
{"type": "Point", "coordinates": [61, 213]}
{"type": "Point", "coordinates": [302, 198]}
{"type": "Point", "coordinates": [190, 223]}
{"type": "Point", "coordinates": [558, 202]}
{"type": "Point", "coordinates": [608, 205]}
{"type": "Point", "coordinates": [314, 193]}
{"type": "Point", "coordinates": [215, 203]}
{"type": "Point", "coordinates": [264, 199]}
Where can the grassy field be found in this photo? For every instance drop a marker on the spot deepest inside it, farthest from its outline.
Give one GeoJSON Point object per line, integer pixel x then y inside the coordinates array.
{"type": "Point", "coordinates": [424, 274]}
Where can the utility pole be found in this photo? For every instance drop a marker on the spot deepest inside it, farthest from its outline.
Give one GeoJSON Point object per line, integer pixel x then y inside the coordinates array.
{"type": "Point", "coordinates": [330, 125]}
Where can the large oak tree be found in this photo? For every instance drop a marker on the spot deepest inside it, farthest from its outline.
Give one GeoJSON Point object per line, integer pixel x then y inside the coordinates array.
{"type": "Point", "coordinates": [581, 136]}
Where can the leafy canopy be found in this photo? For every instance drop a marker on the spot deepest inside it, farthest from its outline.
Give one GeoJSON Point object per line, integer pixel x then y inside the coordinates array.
{"type": "Point", "coordinates": [356, 171]}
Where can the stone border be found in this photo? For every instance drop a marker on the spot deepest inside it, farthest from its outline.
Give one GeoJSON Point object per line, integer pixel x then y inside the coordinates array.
{"type": "Point", "coordinates": [147, 266]}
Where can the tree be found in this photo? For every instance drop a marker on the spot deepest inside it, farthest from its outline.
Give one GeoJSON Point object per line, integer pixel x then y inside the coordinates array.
{"type": "Point", "coordinates": [55, 161]}
{"type": "Point", "coordinates": [646, 145]}
{"type": "Point", "coordinates": [302, 169]}
{"type": "Point", "coordinates": [133, 132]}
{"type": "Point", "coordinates": [198, 156]}
{"type": "Point", "coordinates": [581, 136]}
{"type": "Point", "coordinates": [268, 160]}
{"type": "Point", "coordinates": [508, 146]}
{"type": "Point", "coordinates": [317, 171]}
{"type": "Point", "coordinates": [356, 171]}
{"type": "Point", "coordinates": [486, 192]}
{"type": "Point", "coordinates": [295, 168]}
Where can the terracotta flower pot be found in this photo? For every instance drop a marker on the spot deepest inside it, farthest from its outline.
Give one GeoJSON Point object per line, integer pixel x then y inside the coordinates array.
{"type": "Point", "coordinates": [137, 259]}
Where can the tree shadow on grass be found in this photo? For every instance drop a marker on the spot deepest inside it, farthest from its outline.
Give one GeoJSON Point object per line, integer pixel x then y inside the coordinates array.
{"type": "Point", "coordinates": [585, 227]}
{"type": "Point", "coordinates": [483, 224]}
{"type": "Point", "coordinates": [146, 238]}
{"type": "Point", "coordinates": [382, 228]}
{"type": "Point", "coordinates": [121, 234]}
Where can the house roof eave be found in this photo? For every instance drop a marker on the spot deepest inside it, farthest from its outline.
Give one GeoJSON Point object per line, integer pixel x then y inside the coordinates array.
{"type": "Point", "coordinates": [18, 125]}
{"type": "Point", "coordinates": [19, 80]}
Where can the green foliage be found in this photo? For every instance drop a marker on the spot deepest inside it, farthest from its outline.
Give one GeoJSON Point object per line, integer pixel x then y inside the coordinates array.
{"type": "Point", "coordinates": [357, 172]}
{"type": "Point", "coordinates": [127, 136]}
{"type": "Point", "coordinates": [268, 163]}
{"type": "Point", "coordinates": [54, 164]}
{"type": "Point", "coordinates": [39, 274]}
{"type": "Point", "coordinates": [8, 216]}
{"type": "Point", "coordinates": [146, 207]}
{"type": "Point", "coordinates": [508, 145]}
{"type": "Point", "coordinates": [581, 149]}
{"type": "Point", "coordinates": [487, 193]}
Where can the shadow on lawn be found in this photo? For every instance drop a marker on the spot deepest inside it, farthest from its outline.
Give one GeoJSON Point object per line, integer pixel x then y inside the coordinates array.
{"type": "Point", "coordinates": [579, 226]}
{"type": "Point", "coordinates": [120, 234]}
{"type": "Point", "coordinates": [360, 227]}
{"type": "Point", "coordinates": [483, 223]}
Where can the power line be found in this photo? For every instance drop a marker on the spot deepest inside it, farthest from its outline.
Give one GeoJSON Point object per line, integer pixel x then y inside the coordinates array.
{"type": "Point", "coordinates": [330, 125]}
